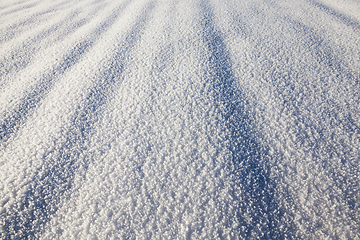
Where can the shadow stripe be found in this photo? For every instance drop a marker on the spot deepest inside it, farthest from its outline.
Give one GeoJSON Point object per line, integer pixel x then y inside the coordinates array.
{"type": "Point", "coordinates": [20, 58]}
{"type": "Point", "coordinates": [348, 21]}
{"type": "Point", "coordinates": [249, 157]}
{"type": "Point", "coordinates": [27, 218]}
{"type": "Point", "coordinates": [13, 122]}
{"type": "Point", "coordinates": [29, 20]}
{"type": "Point", "coordinates": [344, 175]}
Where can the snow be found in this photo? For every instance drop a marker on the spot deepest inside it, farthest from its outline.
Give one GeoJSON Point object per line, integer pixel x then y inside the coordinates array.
{"type": "Point", "coordinates": [167, 119]}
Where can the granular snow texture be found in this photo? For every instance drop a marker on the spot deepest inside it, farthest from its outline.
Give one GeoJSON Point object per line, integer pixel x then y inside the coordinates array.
{"type": "Point", "coordinates": [169, 119]}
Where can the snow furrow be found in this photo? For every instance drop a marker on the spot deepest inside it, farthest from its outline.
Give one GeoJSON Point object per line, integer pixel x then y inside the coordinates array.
{"type": "Point", "coordinates": [179, 119]}
{"type": "Point", "coordinates": [17, 22]}
{"type": "Point", "coordinates": [347, 20]}
{"type": "Point", "coordinates": [24, 49]}
{"type": "Point", "coordinates": [13, 118]}
{"type": "Point", "coordinates": [174, 164]}
{"type": "Point", "coordinates": [22, 7]}
{"type": "Point", "coordinates": [53, 178]}
{"type": "Point", "coordinates": [299, 140]}
{"type": "Point", "coordinates": [249, 157]}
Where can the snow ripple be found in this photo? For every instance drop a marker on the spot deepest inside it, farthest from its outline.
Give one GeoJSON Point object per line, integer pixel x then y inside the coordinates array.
{"type": "Point", "coordinates": [175, 119]}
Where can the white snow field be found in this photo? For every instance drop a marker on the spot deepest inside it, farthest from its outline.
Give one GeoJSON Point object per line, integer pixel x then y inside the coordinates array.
{"type": "Point", "coordinates": [179, 119]}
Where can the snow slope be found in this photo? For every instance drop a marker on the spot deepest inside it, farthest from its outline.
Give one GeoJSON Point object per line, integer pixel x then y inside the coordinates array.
{"type": "Point", "coordinates": [168, 119]}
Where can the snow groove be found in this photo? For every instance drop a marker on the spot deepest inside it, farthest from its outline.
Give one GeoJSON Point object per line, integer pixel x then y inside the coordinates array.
{"type": "Point", "coordinates": [325, 57]}
{"type": "Point", "coordinates": [347, 20]}
{"type": "Point", "coordinates": [179, 119]}
{"type": "Point", "coordinates": [13, 121]}
{"type": "Point", "coordinates": [26, 21]}
{"type": "Point", "coordinates": [310, 143]}
{"type": "Point", "coordinates": [54, 179]}
{"type": "Point", "coordinates": [21, 57]}
{"type": "Point", "coordinates": [250, 159]}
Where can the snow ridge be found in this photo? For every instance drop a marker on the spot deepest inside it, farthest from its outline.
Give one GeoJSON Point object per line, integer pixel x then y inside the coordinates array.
{"type": "Point", "coordinates": [169, 119]}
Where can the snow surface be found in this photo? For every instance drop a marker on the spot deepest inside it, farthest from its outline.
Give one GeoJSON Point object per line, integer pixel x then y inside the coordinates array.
{"type": "Point", "coordinates": [169, 119]}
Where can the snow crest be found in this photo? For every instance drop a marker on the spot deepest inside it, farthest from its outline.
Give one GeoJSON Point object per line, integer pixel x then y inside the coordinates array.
{"type": "Point", "coordinates": [168, 119]}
